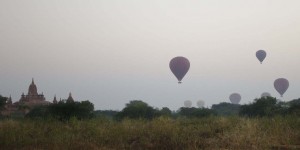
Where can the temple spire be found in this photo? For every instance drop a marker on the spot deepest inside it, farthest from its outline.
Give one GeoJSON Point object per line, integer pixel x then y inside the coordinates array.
{"type": "Point", "coordinates": [32, 90]}
{"type": "Point", "coordinates": [9, 101]}
{"type": "Point", "coordinates": [54, 100]}
{"type": "Point", "coordinates": [70, 98]}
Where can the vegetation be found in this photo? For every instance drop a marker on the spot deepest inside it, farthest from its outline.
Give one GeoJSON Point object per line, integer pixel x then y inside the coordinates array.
{"type": "Point", "coordinates": [264, 124]}
{"type": "Point", "coordinates": [64, 110]}
{"type": "Point", "coordinates": [196, 112]}
{"type": "Point", "coordinates": [158, 133]}
{"type": "Point", "coordinates": [137, 109]}
{"type": "Point", "coordinates": [226, 109]}
{"type": "Point", "coordinates": [2, 102]}
{"type": "Point", "coordinates": [294, 107]}
{"type": "Point", "coordinates": [105, 113]}
{"type": "Point", "coordinates": [270, 106]}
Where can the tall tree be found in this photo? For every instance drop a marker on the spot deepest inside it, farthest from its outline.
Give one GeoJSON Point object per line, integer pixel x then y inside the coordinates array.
{"type": "Point", "coordinates": [2, 102]}
{"type": "Point", "coordinates": [137, 109]}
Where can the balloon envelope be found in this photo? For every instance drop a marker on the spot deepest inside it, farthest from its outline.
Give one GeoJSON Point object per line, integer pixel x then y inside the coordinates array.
{"type": "Point", "coordinates": [188, 103]}
{"type": "Point", "coordinates": [261, 55]}
{"type": "Point", "coordinates": [281, 85]}
{"type": "Point", "coordinates": [235, 98]}
{"type": "Point", "coordinates": [200, 104]}
{"type": "Point", "coordinates": [179, 66]}
{"type": "Point", "coordinates": [265, 94]}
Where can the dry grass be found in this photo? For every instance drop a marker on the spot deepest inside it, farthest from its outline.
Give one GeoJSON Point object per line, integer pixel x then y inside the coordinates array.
{"type": "Point", "coordinates": [160, 133]}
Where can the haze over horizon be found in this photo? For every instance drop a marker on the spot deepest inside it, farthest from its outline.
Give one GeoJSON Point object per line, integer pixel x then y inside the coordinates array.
{"type": "Point", "coordinates": [111, 52]}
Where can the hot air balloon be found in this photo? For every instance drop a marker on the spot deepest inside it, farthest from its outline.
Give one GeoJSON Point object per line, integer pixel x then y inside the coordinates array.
{"type": "Point", "coordinates": [200, 104]}
{"type": "Point", "coordinates": [261, 55]}
{"type": "Point", "coordinates": [179, 66]}
{"type": "Point", "coordinates": [265, 94]}
{"type": "Point", "coordinates": [281, 85]}
{"type": "Point", "coordinates": [235, 98]}
{"type": "Point", "coordinates": [188, 103]}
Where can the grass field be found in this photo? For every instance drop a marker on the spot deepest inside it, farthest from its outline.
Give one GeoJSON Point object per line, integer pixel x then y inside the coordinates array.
{"type": "Point", "coordinates": [160, 133]}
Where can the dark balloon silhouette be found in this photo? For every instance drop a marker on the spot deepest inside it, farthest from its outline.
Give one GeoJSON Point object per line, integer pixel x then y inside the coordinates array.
{"type": "Point", "coordinates": [261, 55]}
{"type": "Point", "coordinates": [235, 98]}
{"type": "Point", "coordinates": [281, 85]}
{"type": "Point", "coordinates": [179, 66]}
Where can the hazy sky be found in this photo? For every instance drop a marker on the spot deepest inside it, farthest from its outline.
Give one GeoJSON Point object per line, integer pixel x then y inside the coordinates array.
{"type": "Point", "coordinates": [114, 51]}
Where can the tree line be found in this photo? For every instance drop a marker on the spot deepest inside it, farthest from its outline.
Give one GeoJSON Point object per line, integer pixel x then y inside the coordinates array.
{"type": "Point", "coordinates": [261, 107]}
{"type": "Point", "coordinates": [137, 109]}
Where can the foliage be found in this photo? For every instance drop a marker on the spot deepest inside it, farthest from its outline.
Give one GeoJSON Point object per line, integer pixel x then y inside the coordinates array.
{"type": "Point", "coordinates": [195, 112]}
{"type": "Point", "coordinates": [2, 102]}
{"type": "Point", "coordinates": [137, 109]}
{"type": "Point", "coordinates": [150, 129]}
{"type": "Point", "coordinates": [226, 109]}
{"type": "Point", "coordinates": [105, 113]}
{"type": "Point", "coordinates": [294, 107]}
{"type": "Point", "coordinates": [295, 102]}
{"type": "Point", "coordinates": [39, 112]}
{"type": "Point", "coordinates": [64, 110]}
{"type": "Point", "coordinates": [158, 133]}
{"type": "Point", "coordinates": [165, 111]}
{"type": "Point", "coordinates": [265, 106]}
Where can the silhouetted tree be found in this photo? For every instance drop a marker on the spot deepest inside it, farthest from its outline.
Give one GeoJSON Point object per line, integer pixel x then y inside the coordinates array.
{"type": "Point", "coordinates": [105, 113]}
{"type": "Point", "coordinates": [226, 109]}
{"type": "Point", "coordinates": [195, 112]}
{"type": "Point", "coordinates": [294, 107]}
{"type": "Point", "coordinates": [39, 112]}
{"type": "Point", "coordinates": [64, 110]}
{"type": "Point", "coordinates": [2, 102]}
{"type": "Point", "coordinates": [165, 111]}
{"type": "Point", "coordinates": [137, 109]}
{"type": "Point", "coordinates": [265, 106]}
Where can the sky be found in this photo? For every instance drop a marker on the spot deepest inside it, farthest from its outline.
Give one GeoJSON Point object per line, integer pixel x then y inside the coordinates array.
{"type": "Point", "coordinates": [114, 51]}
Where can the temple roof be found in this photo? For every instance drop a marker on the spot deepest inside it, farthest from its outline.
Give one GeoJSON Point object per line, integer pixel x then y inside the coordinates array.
{"type": "Point", "coordinates": [32, 89]}
{"type": "Point", "coordinates": [70, 98]}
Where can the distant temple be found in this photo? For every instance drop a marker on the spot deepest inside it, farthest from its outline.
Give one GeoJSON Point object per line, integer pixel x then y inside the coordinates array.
{"type": "Point", "coordinates": [70, 98]}
{"type": "Point", "coordinates": [33, 95]}
{"type": "Point", "coordinates": [29, 101]}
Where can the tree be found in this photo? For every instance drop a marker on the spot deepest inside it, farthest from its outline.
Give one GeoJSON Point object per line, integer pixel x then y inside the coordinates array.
{"type": "Point", "coordinates": [226, 109]}
{"type": "Point", "coordinates": [137, 109]}
{"type": "Point", "coordinates": [294, 107]}
{"type": "Point", "coordinates": [195, 112]}
{"type": "Point", "coordinates": [64, 110]}
{"type": "Point", "coordinates": [265, 106]}
{"type": "Point", "coordinates": [39, 112]}
{"type": "Point", "coordinates": [165, 111]}
{"type": "Point", "coordinates": [2, 102]}
{"type": "Point", "coordinates": [105, 113]}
